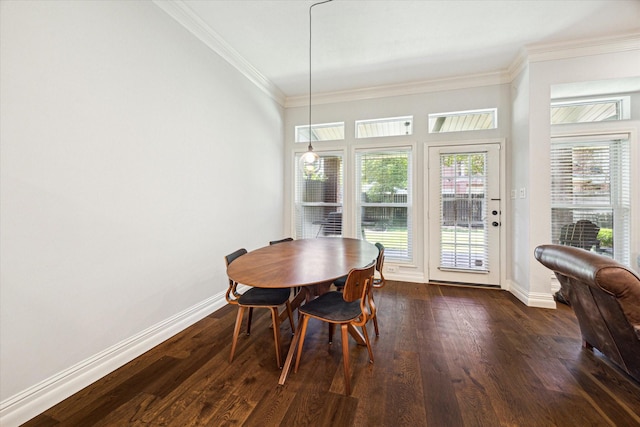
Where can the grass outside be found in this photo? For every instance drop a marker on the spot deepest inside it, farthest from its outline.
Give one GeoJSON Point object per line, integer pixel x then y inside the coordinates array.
{"type": "Point", "coordinates": [472, 240]}
{"type": "Point", "coordinates": [391, 239]}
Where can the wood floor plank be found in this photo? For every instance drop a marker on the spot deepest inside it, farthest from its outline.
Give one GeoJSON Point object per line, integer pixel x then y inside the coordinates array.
{"type": "Point", "coordinates": [271, 408]}
{"type": "Point", "coordinates": [440, 402]}
{"type": "Point", "coordinates": [446, 356]}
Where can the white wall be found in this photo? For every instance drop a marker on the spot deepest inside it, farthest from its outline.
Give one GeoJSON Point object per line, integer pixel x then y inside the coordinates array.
{"type": "Point", "coordinates": [133, 159]}
{"type": "Point", "coordinates": [518, 267]}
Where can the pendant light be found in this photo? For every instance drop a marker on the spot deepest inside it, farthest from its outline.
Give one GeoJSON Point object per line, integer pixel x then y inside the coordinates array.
{"type": "Point", "coordinates": [310, 161]}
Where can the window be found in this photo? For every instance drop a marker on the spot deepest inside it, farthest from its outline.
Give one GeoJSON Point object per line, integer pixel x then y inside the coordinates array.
{"type": "Point", "coordinates": [318, 198]}
{"type": "Point", "coordinates": [590, 194]}
{"type": "Point", "coordinates": [463, 211]}
{"type": "Point", "coordinates": [589, 110]}
{"type": "Point", "coordinates": [384, 127]}
{"type": "Point", "coordinates": [459, 121]}
{"type": "Point", "coordinates": [320, 132]}
{"type": "Point", "coordinates": [384, 200]}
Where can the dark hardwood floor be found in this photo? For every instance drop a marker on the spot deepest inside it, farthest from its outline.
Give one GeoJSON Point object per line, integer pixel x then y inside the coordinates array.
{"type": "Point", "coordinates": [446, 356]}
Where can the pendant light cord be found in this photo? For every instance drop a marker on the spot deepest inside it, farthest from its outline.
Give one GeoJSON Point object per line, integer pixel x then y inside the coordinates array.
{"type": "Point", "coordinates": [311, 7]}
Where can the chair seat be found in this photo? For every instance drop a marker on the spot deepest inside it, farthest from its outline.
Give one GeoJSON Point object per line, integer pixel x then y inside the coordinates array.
{"type": "Point", "coordinates": [332, 307]}
{"type": "Point", "coordinates": [264, 296]}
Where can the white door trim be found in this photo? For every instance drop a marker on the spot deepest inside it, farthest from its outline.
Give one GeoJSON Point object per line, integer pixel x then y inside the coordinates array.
{"type": "Point", "coordinates": [505, 202]}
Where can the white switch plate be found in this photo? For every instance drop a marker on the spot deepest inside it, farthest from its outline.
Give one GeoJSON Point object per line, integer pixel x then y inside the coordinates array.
{"type": "Point", "coordinates": [514, 194]}
{"type": "Point", "coordinates": [523, 192]}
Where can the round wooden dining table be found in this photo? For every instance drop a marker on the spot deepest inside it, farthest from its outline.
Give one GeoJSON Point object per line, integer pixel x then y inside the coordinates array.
{"type": "Point", "coordinates": [311, 264]}
{"type": "Point", "coordinates": [301, 262]}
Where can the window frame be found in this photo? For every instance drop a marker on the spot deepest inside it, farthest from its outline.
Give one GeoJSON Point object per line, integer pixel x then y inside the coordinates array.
{"type": "Point", "coordinates": [622, 238]}
{"type": "Point", "coordinates": [409, 259]}
{"type": "Point", "coordinates": [298, 203]}
{"type": "Point", "coordinates": [622, 101]}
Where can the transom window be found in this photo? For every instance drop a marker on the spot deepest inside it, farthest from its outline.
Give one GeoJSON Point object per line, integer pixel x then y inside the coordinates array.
{"type": "Point", "coordinates": [460, 121]}
{"type": "Point", "coordinates": [393, 126]}
{"type": "Point", "coordinates": [320, 132]}
{"type": "Point", "coordinates": [588, 110]}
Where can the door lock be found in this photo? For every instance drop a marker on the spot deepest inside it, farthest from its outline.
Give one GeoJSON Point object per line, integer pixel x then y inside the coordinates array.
{"type": "Point", "coordinates": [495, 223]}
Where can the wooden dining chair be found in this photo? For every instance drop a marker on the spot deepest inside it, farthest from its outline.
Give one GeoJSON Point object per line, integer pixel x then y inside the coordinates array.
{"type": "Point", "coordinates": [271, 298]}
{"type": "Point", "coordinates": [353, 306]}
{"type": "Point", "coordinates": [378, 282]}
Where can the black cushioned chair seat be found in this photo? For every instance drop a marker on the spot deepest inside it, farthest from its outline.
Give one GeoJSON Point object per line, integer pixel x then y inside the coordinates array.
{"type": "Point", "coordinates": [265, 296]}
{"type": "Point", "coordinates": [333, 307]}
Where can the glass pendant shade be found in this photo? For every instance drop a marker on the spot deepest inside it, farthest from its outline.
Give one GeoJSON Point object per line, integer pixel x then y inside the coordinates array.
{"type": "Point", "coordinates": [310, 162]}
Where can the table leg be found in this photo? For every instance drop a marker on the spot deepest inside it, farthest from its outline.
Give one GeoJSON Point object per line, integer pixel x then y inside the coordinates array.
{"type": "Point", "coordinates": [295, 303]}
{"type": "Point", "coordinates": [289, 360]}
{"type": "Point", "coordinates": [306, 294]}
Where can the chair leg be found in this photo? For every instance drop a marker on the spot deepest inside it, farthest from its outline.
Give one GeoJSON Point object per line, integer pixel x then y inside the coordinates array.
{"type": "Point", "coordinates": [365, 333]}
{"type": "Point", "coordinates": [290, 314]}
{"type": "Point", "coordinates": [276, 333]}
{"type": "Point", "coordinates": [375, 325]}
{"type": "Point", "coordinates": [249, 320]}
{"type": "Point", "coordinates": [303, 332]}
{"type": "Point", "coordinates": [375, 318]}
{"type": "Point", "coordinates": [332, 327]}
{"type": "Point", "coordinates": [236, 332]}
{"type": "Point", "coordinates": [345, 358]}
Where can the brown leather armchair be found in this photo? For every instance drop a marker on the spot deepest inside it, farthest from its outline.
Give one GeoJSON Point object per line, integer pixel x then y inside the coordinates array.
{"type": "Point", "coordinates": [605, 296]}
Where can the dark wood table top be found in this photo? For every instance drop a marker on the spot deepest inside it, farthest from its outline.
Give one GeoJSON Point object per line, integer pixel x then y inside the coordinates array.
{"type": "Point", "coordinates": [301, 262]}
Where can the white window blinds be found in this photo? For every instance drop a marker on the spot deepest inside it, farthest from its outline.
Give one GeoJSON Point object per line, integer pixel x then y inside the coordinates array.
{"type": "Point", "coordinates": [318, 198]}
{"type": "Point", "coordinates": [384, 193]}
{"type": "Point", "coordinates": [463, 212]}
{"type": "Point", "coordinates": [590, 194]}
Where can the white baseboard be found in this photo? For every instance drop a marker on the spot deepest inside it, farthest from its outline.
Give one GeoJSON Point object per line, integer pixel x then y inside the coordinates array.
{"type": "Point", "coordinates": [33, 401]}
{"type": "Point", "coordinates": [531, 299]}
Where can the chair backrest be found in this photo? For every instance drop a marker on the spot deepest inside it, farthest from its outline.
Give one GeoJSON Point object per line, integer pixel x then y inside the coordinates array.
{"type": "Point", "coordinates": [286, 239]}
{"type": "Point", "coordinates": [231, 294]}
{"type": "Point", "coordinates": [379, 282]}
{"type": "Point", "coordinates": [235, 255]}
{"type": "Point", "coordinates": [582, 234]}
{"type": "Point", "coordinates": [333, 224]}
{"type": "Point", "coordinates": [358, 282]}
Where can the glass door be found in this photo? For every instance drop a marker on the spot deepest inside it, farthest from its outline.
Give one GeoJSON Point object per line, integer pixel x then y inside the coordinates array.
{"type": "Point", "coordinates": [464, 214]}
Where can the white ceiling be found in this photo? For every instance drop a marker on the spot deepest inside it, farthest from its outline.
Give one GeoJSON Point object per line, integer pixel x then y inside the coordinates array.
{"type": "Point", "coordinates": [361, 43]}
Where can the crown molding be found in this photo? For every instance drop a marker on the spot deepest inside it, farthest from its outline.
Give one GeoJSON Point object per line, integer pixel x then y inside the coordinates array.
{"type": "Point", "coordinates": [585, 47]}
{"type": "Point", "coordinates": [573, 49]}
{"type": "Point", "coordinates": [411, 88]}
{"type": "Point", "coordinates": [186, 17]}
